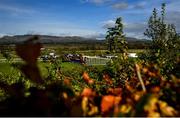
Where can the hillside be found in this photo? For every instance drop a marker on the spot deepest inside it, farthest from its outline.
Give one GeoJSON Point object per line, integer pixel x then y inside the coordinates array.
{"type": "Point", "coordinates": [46, 39]}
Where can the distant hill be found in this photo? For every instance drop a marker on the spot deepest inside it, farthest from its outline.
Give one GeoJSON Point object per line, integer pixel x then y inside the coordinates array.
{"type": "Point", "coordinates": [46, 39]}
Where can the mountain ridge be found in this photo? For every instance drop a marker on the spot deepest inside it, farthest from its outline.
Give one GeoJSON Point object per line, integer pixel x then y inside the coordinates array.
{"type": "Point", "coordinates": [47, 39]}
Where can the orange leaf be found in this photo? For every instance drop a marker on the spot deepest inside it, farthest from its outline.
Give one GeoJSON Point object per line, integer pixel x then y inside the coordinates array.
{"type": "Point", "coordinates": [90, 81]}
{"type": "Point", "coordinates": [128, 87]}
{"type": "Point", "coordinates": [115, 91]}
{"type": "Point", "coordinates": [152, 74]}
{"type": "Point", "coordinates": [87, 79]}
{"type": "Point", "coordinates": [155, 89]}
{"type": "Point", "coordinates": [108, 102]}
{"type": "Point", "coordinates": [66, 81]}
{"type": "Point", "coordinates": [86, 76]}
{"type": "Point", "coordinates": [87, 92]}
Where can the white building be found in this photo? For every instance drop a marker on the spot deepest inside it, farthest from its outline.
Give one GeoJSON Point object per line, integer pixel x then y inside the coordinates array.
{"type": "Point", "coordinates": [134, 55]}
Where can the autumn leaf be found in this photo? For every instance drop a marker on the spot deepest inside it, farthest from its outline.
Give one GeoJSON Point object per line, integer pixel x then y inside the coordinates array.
{"type": "Point", "coordinates": [155, 89]}
{"type": "Point", "coordinates": [166, 109]}
{"type": "Point", "coordinates": [108, 102]}
{"type": "Point", "coordinates": [115, 91]}
{"type": "Point", "coordinates": [87, 79]}
{"type": "Point", "coordinates": [87, 92]}
{"type": "Point", "coordinates": [67, 82]}
{"type": "Point", "coordinates": [84, 105]}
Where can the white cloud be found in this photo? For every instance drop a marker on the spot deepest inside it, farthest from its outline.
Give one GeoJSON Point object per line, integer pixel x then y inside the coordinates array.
{"type": "Point", "coordinates": [140, 5]}
{"type": "Point", "coordinates": [108, 24]}
{"type": "Point", "coordinates": [1, 35]}
{"type": "Point", "coordinates": [131, 29]}
{"type": "Point", "coordinates": [15, 9]}
{"type": "Point", "coordinates": [120, 6]}
{"type": "Point", "coordinates": [55, 28]}
{"type": "Point", "coordinates": [136, 35]}
{"type": "Point", "coordinates": [173, 5]}
{"type": "Point", "coordinates": [173, 18]}
{"type": "Point", "coordinates": [96, 35]}
{"type": "Point", "coordinates": [135, 27]}
{"type": "Point", "coordinates": [97, 1]}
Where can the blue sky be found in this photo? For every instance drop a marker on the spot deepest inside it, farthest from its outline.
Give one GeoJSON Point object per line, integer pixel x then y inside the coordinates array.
{"type": "Point", "coordinates": [88, 18]}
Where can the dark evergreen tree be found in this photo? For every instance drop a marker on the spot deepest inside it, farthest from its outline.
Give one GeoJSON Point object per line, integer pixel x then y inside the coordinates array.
{"type": "Point", "coordinates": [115, 38]}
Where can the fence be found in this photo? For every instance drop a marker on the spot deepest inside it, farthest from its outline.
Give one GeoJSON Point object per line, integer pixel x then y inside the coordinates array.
{"type": "Point", "coordinates": [94, 60]}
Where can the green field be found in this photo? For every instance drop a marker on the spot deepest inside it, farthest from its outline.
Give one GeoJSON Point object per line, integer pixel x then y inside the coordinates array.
{"type": "Point", "coordinates": [66, 67]}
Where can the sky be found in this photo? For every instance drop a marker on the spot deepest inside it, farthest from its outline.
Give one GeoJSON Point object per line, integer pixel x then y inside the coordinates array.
{"type": "Point", "coordinates": [87, 18]}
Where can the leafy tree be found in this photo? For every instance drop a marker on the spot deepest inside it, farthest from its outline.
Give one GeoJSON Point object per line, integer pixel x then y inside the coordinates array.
{"type": "Point", "coordinates": [116, 38]}
{"type": "Point", "coordinates": [163, 35]}
{"type": "Point", "coordinates": [165, 41]}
